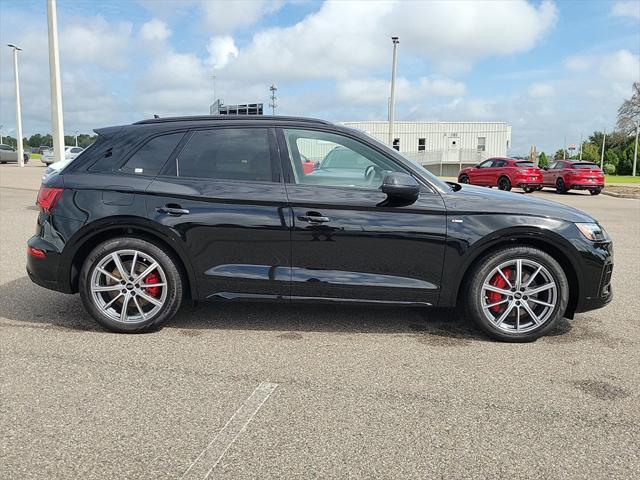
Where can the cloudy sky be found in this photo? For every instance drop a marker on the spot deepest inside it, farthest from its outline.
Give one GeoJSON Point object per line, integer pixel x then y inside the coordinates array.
{"type": "Point", "coordinates": [548, 68]}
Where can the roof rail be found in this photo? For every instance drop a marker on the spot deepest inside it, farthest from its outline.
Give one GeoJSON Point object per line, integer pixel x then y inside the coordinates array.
{"type": "Point", "coordinates": [210, 118]}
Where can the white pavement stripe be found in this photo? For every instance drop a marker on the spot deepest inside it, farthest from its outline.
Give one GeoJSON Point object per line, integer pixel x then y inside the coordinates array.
{"type": "Point", "coordinates": [204, 464]}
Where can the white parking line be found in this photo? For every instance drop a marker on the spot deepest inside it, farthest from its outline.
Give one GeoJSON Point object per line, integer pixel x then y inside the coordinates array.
{"type": "Point", "coordinates": [204, 464]}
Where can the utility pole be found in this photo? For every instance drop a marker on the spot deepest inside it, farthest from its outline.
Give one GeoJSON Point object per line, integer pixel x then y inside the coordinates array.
{"type": "Point", "coordinates": [273, 104]}
{"type": "Point", "coordinates": [392, 101]}
{"type": "Point", "coordinates": [580, 147]}
{"type": "Point", "coordinates": [564, 150]}
{"type": "Point", "coordinates": [19, 146]}
{"type": "Point", "coordinates": [604, 136]}
{"type": "Point", "coordinates": [54, 79]}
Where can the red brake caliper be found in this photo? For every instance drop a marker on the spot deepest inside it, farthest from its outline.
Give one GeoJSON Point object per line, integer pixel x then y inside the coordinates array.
{"type": "Point", "coordinates": [151, 279]}
{"type": "Point", "coordinates": [500, 282]}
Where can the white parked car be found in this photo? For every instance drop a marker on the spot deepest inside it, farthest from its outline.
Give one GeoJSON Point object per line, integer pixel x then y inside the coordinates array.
{"type": "Point", "coordinates": [55, 167]}
{"type": "Point", "coordinates": [69, 154]}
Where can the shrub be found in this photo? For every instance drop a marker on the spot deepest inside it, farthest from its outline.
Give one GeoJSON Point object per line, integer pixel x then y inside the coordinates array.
{"type": "Point", "coordinates": [609, 169]}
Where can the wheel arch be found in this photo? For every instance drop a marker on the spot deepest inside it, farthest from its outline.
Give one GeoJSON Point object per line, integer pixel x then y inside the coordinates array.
{"type": "Point", "coordinates": [99, 231]}
{"type": "Point", "coordinates": [545, 242]}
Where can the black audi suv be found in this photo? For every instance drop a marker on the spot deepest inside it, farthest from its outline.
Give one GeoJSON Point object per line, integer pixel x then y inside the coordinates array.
{"type": "Point", "coordinates": [220, 208]}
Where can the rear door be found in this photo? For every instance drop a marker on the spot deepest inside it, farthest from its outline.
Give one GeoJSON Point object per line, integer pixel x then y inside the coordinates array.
{"type": "Point", "coordinates": [347, 243]}
{"type": "Point", "coordinates": [223, 194]}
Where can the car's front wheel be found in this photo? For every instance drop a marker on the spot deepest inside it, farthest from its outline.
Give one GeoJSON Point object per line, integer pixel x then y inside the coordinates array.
{"type": "Point", "coordinates": [130, 285]}
{"type": "Point", "coordinates": [464, 179]}
{"type": "Point", "coordinates": [517, 294]}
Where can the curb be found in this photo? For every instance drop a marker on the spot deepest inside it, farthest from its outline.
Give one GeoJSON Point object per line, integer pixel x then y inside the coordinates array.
{"type": "Point", "coordinates": [621, 195]}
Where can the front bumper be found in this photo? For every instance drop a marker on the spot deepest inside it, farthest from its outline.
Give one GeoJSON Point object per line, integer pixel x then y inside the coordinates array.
{"type": "Point", "coordinates": [598, 271]}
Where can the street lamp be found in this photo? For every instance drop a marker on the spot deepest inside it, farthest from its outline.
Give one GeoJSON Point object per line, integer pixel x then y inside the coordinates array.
{"type": "Point", "coordinates": [1, 133]}
{"type": "Point", "coordinates": [54, 79]}
{"type": "Point", "coordinates": [75, 134]}
{"type": "Point", "coordinates": [392, 101]}
{"type": "Point", "coordinates": [16, 49]}
{"type": "Point", "coordinates": [273, 99]}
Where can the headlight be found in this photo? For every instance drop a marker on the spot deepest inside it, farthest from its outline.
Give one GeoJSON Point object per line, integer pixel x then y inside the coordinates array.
{"type": "Point", "coordinates": [592, 231]}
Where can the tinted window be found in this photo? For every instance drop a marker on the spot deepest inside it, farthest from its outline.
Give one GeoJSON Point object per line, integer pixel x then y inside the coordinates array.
{"type": "Point", "coordinates": [525, 164]}
{"type": "Point", "coordinates": [149, 159]}
{"type": "Point", "coordinates": [341, 161]}
{"type": "Point", "coordinates": [227, 153]}
{"type": "Point", "coordinates": [499, 163]}
{"type": "Point", "coordinates": [486, 164]}
{"type": "Point", "coordinates": [586, 166]}
{"type": "Point", "coordinates": [6, 147]}
{"type": "Point", "coordinates": [76, 150]}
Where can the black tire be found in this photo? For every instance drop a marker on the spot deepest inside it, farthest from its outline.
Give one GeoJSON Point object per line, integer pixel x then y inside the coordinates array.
{"type": "Point", "coordinates": [595, 192]}
{"type": "Point", "coordinates": [504, 184]}
{"type": "Point", "coordinates": [167, 263]}
{"type": "Point", "coordinates": [560, 186]}
{"type": "Point", "coordinates": [464, 179]}
{"type": "Point", "coordinates": [474, 296]}
{"type": "Point", "coordinates": [529, 189]}
{"type": "Point", "coordinates": [3, 163]}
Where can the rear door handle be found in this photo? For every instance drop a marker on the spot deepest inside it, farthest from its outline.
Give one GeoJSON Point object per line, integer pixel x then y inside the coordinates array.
{"type": "Point", "coordinates": [172, 209]}
{"type": "Point", "coordinates": [313, 217]}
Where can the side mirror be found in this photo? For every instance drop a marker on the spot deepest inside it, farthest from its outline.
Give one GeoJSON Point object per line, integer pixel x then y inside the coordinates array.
{"type": "Point", "coordinates": [400, 186]}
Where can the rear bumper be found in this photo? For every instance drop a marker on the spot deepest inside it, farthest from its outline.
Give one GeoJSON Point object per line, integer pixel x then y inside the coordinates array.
{"type": "Point", "coordinates": [587, 186]}
{"type": "Point", "coordinates": [46, 271]}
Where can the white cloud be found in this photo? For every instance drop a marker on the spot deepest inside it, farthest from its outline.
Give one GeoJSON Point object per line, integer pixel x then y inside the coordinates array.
{"type": "Point", "coordinates": [97, 41]}
{"type": "Point", "coordinates": [221, 51]}
{"type": "Point", "coordinates": [578, 63]}
{"type": "Point", "coordinates": [226, 17]}
{"type": "Point", "coordinates": [155, 30]}
{"type": "Point", "coordinates": [626, 9]}
{"type": "Point", "coordinates": [541, 90]}
{"type": "Point", "coordinates": [371, 91]}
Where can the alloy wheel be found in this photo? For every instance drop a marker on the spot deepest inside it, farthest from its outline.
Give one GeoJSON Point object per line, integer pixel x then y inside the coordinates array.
{"type": "Point", "coordinates": [129, 286]}
{"type": "Point", "coordinates": [519, 295]}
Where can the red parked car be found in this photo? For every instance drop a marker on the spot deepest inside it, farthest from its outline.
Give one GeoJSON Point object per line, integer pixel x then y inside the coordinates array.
{"type": "Point", "coordinates": [567, 175]}
{"type": "Point", "coordinates": [503, 173]}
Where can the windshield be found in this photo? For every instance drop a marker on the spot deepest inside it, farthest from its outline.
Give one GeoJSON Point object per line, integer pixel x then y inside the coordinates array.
{"type": "Point", "coordinates": [586, 166]}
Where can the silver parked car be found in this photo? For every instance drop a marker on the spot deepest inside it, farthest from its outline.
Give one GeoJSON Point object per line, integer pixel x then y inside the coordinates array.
{"type": "Point", "coordinates": [8, 154]}
{"type": "Point", "coordinates": [69, 154]}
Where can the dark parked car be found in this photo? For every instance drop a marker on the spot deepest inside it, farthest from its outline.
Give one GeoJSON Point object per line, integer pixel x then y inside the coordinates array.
{"type": "Point", "coordinates": [567, 175]}
{"type": "Point", "coordinates": [199, 208]}
{"type": "Point", "coordinates": [503, 173]}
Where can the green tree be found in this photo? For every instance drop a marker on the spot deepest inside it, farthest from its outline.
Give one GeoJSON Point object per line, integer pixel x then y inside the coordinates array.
{"type": "Point", "coordinates": [543, 161]}
{"type": "Point", "coordinates": [560, 154]}
{"type": "Point", "coordinates": [590, 152]}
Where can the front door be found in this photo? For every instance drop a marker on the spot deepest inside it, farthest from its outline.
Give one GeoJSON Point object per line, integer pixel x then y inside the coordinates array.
{"type": "Point", "coordinates": [224, 196]}
{"type": "Point", "coordinates": [346, 244]}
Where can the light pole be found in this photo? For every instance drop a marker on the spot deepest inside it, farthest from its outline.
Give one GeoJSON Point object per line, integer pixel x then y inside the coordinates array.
{"type": "Point", "coordinates": [1, 133]}
{"type": "Point", "coordinates": [635, 150]}
{"type": "Point", "coordinates": [54, 79]}
{"type": "Point", "coordinates": [75, 134]}
{"type": "Point", "coordinates": [392, 101]}
{"type": "Point", "coordinates": [604, 137]}
{"type": "Point", "coordinates": [18, 112]}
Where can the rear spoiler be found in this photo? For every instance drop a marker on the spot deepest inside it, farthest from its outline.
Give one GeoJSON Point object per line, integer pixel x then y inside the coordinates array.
{"type": "Point", "coordinates": [107, 131]}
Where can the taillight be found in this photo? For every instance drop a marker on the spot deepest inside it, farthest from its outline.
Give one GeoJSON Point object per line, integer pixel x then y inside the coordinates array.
{"type": "Point", "coordinates": [36, 252]}
{"type": "Point", "coordinates": [48, 198]}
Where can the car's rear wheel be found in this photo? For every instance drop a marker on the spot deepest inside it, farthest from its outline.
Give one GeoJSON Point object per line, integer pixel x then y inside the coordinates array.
{"type": "Point", "coordinates": [529, 189]}
{"type": "Point", "coordinates": [595, 191]}
{"type": "Point", "coordinates": [464, 179]}
{"type": "Point", "coordinates": [517, 294]}
{"type": "Point", "coordinates": [130, 285]}
{"type": "Point", "coordinates": [504, 184]}
{"type": "Point", "coordinates": [560, 186]}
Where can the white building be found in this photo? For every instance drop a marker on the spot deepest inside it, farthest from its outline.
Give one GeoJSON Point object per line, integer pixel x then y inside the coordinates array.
{"type": "Point", "coordinates": [443, 147]}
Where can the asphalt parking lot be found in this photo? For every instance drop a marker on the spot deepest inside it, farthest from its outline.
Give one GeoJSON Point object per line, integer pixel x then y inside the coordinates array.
{"type": "Point", "coordinates": [248, 391]}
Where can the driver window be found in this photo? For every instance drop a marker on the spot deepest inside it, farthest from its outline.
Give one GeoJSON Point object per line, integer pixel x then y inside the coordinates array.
{"type": "Point", "coordinates": [327, 159]}
{"type": "Point", "coordinates": [486, 164]}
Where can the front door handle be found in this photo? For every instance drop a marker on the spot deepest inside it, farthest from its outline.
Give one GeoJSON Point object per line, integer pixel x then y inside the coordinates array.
{"type": "Point", "coordinates": [172, 209]}
{"type": "Point", "coordinates": [313, 217]}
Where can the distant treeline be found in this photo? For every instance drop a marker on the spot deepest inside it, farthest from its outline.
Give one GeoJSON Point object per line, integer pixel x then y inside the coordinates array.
{"type": "Point", "coordinates": [38, 140]}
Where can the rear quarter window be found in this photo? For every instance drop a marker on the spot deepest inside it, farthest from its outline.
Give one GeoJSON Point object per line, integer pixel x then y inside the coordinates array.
{"type": "Point", "coordinates": [149, 159]}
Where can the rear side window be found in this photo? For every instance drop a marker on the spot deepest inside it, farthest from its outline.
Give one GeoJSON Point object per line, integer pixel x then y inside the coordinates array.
{"type": "Point", "coordinates": [151, 157]}
{"type": "Point", "coordinates": [227, 154]}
